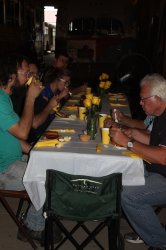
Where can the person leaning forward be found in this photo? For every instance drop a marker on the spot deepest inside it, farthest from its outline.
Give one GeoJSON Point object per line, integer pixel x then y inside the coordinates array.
{"type": "Point", "coordinates": [13, 133]}
{"type": "Point", "coordinates": [138, 201]}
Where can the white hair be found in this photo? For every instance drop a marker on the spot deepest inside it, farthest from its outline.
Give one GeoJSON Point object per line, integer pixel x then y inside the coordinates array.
{"type": "Point", "coordinates": [157, 84]}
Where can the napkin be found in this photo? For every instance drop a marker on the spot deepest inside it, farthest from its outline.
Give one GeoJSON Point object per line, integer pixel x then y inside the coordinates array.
{"type": "Point", "coordinates": [121, 99]}
{"type": "Point", "coordinates": [49, 143]}
{"type": "Point", "coordinates": [69, 117]}
{"type": "Point", "coordinates": [118, 105]}
{"type": "Point", "coordinates": [133, 155]}
{"type": "Point", "coordinates": [63, 130]}
{"type": "Point", "coordinates": [130, 154]}
{"type": "Point", "coordinates": [73, 100]}
{"type": "Point", "coordinates": [112, 99]}
{"type": "Point", "coordinates": [117, 93]}
{"type": "Point", "coordinates": [70, 107]}
{"type": "Point", "coordinates": [98, 148]}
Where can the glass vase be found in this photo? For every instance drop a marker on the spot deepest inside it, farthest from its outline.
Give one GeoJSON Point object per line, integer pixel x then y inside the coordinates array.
{"type": "Point", "coordinates": [92, 127]}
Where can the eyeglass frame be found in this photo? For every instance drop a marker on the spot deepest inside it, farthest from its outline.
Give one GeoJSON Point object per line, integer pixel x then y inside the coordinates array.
{"type": "Point", "coordinates": [26, 74]}
{"type": "Point", "coordinates": [67, 83]}
{"type": "Point", "coordinates": [143, 99]}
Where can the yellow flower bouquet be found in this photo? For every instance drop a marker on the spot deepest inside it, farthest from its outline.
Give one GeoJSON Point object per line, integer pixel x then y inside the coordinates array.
{"type": "Point", "coordinates": [92, 103]}
{"type": "Point", "coordinates": [104, 83]}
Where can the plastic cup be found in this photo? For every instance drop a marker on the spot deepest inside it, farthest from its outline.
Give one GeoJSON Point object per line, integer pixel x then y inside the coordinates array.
{"type": "Point", "coordinates": [88, 90]}
{"type": "Point", "coordinates": [105, 135]}
{"type": "Point", "coordinates": [102, 118]}
{"type": "Point", "coordinates": [82, 113]}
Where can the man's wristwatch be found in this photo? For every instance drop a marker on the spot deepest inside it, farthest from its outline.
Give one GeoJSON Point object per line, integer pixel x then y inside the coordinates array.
{"type": "Point", "coordinates": [130, 144]}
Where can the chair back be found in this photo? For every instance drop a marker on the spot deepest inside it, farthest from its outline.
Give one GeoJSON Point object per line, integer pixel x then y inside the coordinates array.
{"type": "Point", "coordinates": [81, 198]}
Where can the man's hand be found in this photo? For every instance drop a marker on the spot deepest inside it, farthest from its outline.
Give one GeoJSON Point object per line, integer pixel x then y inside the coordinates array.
{"type": "Point", "coordinates": [109, 122]}
{"type": "Point", "coordinates": [117, 115]}
{"type": "Point", "coordinates": [64, 93]}
{"type": "Point", "coordinates": [129, 132]}
{"type": "Point", "coordinates": [53, 102]}
{"type": "Point", "coordinates": [138, 135]}
{"type": "Point", "coordinates": [119, 137]}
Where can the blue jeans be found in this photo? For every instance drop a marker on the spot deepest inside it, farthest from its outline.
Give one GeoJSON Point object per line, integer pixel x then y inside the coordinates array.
{"type": "Point", "coordinates": [12, 179]}
{"type": "Point", "coordinates": [138, 204]}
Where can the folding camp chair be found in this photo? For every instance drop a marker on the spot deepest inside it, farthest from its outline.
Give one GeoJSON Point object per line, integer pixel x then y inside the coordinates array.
{"type": "Point", "coordinates": [22, 195]}
{"type": "Point", "coordinates": [83, 198]}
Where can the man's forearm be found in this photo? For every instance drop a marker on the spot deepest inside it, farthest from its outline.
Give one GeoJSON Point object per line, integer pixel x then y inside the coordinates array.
{"type": "Point", "coordinates": [153, 154]}
{"type": "Point", "coordinates": [140, 136]}
{"type": "Point", "coordinates": [133, 123]}
{"type": "Point", "coordinates": [40, 118]}
{"type": "Point", "coordinates": [26, 147]}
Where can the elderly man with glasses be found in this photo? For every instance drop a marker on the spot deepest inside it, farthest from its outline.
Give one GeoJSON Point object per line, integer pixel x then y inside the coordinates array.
{"type": "Point", "coordinates": [138, 202]}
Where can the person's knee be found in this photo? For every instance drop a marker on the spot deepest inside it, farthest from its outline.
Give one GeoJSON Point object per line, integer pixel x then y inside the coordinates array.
{"type": "Point", "coordinates": [128, 198]}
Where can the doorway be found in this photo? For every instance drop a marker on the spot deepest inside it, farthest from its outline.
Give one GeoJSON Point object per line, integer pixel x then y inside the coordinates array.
{"type": "Point", "coordinates": [50, 16]}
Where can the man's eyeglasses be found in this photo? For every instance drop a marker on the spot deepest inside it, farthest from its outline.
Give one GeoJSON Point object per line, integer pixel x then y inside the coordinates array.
{"type": "Point", "coordinates": [66, 82]}
{"type": "Point", "coordinates": [143, 99]}
{"type": "Point", "coordinates": [26, 74]}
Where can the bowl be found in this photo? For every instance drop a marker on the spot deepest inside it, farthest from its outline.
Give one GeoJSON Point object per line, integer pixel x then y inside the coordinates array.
{"type": "Point", "coordinates": [51, 135]}
{"type": "Point", "coordinates": [84, 138]}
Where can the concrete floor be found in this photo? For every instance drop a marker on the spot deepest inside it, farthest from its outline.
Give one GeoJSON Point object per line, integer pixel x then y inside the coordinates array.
{"type": "Point", "coordinates": [8, 232]}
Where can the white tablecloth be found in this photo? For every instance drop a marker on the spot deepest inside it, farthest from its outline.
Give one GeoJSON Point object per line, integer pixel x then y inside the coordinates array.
{"type": "Point", "coordinates": [80, 158]}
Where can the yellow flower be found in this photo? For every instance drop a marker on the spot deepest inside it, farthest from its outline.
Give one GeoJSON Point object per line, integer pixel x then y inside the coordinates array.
{"type": "Point", "coordinates": [99, 101]}
{"type": "Point", "coordinates": [101, 84]}
{"type": "Point", "coordinates": [107, 85]}
{"type": "Point", "coordinates": [89, 96]}
{"type": "Point", "coordinates": [87, 103]}
{"type": "Point", "coordinates": [105, 76]}
{"type": "Point", "coordinates": [95, 100]}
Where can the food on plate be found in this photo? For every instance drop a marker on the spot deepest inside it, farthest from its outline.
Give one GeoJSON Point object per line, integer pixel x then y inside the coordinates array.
{"type": "Point", "coordinates": [73, 117]}
{"type": "Point", "coordinates": [63, 130]}
{"type": "Point", "coordinates": [65, 139]}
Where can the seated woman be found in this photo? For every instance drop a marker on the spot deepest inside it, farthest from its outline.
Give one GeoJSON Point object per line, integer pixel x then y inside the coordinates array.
{"type": "Point", "coordinates": [57, 84]}
{"type": "Point", "coordinates": [59, 80]}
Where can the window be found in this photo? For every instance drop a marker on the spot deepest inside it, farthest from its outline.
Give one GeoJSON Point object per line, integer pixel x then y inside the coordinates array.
{"type": "Point", "coordinates": [12, 12]}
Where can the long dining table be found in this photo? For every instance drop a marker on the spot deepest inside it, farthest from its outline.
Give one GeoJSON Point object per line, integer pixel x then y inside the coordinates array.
{"type": "Point", "coordinates": [80, 158]}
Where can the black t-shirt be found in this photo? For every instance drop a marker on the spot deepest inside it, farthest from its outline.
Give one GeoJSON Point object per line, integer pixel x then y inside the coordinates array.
{"type": "Point", "coordinates": [158, 137]}
{"type": "Point", "coordinates": [18, 100]}
{"type": "Point", "coordinates": [47, 75]}
{"type": "Point", "coordinates": [40, 104]}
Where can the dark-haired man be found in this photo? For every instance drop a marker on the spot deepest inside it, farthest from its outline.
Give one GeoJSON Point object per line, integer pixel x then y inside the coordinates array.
{"type": "Point", "coordinates": [13, 133]}
{"type": "Point", "coordinates": [60, 61]}
{"type": "Point", "coordinates": [41, 116]}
